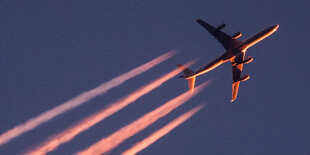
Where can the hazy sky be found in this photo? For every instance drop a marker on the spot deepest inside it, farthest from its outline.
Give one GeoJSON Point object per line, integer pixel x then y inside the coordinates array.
{"type": "Point", "coordinates": [51, 51]}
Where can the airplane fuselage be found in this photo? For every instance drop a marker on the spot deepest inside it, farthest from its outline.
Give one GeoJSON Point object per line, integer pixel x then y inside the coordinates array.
{"type": "Point", "coordinates": [234, 51]}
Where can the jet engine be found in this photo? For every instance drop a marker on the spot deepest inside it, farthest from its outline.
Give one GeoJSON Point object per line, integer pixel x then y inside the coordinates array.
{"type": "Point", "coordinates": [220, 26]}
{"type": "Point", "coordinates": [248, 60]}
{"type": "Point", "coordinates": [244, 78]}
{"type": "Point", "coordinates": [236, 35]}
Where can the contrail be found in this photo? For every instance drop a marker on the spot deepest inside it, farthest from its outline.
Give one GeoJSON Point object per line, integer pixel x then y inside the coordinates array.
{"type": "Point", "coordinates": [80, 99]}
{"type": "Point", "coordinates": [54, 141]}
{"type": "Point", "coordinates": [162, 132]}
{"type": "Point", "coordinates": [107, 144]}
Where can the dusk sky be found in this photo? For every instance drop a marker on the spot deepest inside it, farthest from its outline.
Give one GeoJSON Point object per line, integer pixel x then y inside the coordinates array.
{"type": "Point", "coordinates": [52, 51]}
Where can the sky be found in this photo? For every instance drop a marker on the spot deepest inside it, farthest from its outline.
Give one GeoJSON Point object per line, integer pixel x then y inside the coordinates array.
{"type": "Point", "coordinates": [52, 51]}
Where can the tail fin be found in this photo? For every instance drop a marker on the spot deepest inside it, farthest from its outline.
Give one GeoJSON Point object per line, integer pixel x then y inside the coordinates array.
{"type": "Point", "coordinates": [187, 72]}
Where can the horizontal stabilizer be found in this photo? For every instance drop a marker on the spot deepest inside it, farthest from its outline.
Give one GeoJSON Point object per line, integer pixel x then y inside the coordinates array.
{"type": "Point", "coordinates": [187, 72]}
{"type": "Point", "coordinates": [191, 84]}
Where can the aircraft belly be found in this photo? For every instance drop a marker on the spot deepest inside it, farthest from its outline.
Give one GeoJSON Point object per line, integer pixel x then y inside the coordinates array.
{"type": "Point", "coordinates": [234, 52]}
{"type": "Point", "coordinates": [213, 64]}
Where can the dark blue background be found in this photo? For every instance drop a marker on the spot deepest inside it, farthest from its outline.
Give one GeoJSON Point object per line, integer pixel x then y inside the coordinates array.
{"type": "Point", "coordinates": [51, 51]}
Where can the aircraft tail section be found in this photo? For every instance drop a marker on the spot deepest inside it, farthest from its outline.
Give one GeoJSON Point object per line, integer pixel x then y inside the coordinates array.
{"type": "Point", "coordinates": [188, 73]}
{"type": "Point", "coordinates": [191, 84]}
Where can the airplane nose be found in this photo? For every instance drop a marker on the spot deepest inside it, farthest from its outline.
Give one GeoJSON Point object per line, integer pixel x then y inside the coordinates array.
{"type": "Point", "coordinates": [275, 27]}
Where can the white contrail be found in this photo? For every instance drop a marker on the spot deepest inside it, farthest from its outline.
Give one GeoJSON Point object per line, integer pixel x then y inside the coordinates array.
{"type": "Point", "coordinates": [162, 131]}
{"type": "Point", "coordinates": [54, 141]}
{"type": "Point", "coordinates": [107, 144]}
{"type": "Point", "coordinates": [80, 99]}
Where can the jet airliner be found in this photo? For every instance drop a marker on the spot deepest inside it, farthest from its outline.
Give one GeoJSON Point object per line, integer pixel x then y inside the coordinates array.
{"type": "Point", "coordinates": [235, 53]}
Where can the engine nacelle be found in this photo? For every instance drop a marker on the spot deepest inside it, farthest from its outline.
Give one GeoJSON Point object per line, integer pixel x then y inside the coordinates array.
{"type": "Point", "coordinates": [237, 35]}
{"type": "Point", "coordinates": [221, 26]}
{"type": "Point", "coordinates": [244, 78]}
{"type": "Point", "coordinates": [248, 60]}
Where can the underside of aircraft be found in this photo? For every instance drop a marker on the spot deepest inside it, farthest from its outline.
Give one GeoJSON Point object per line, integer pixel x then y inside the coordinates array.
{"type": "Point", "coordinates": [235, 53]}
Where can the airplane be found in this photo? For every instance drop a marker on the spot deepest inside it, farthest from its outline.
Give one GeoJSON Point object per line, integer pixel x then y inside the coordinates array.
{"type": "Point", "coordinates": [235, 53]}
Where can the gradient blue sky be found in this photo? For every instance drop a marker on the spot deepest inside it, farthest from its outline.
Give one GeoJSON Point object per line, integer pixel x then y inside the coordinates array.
{"type": "Point", "coordinates": [52, 51]}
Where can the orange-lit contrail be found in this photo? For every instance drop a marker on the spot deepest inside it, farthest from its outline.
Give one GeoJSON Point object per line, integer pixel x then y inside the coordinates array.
{"type": "Point", "coordinates": [80, 99]}
{"type": "Point", "coordinates": [54, 141]}
{"type": "Point", "coordinates": [107, 144]}
{"type": "Point", "coordinates": [162, 132]}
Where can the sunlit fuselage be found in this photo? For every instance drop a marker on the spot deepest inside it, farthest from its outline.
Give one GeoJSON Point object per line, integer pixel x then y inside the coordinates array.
{"type": "Point", "coordinates": [234, 51]}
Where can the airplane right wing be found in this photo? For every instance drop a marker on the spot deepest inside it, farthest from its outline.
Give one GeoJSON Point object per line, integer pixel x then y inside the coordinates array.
{"type": "Point", "coordinates": [237, 65]}
{"type": "Point", "coordinates": [225, 39]}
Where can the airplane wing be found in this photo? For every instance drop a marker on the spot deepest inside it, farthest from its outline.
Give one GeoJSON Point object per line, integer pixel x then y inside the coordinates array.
{"type": "Point", "coordinates": [237, 66]}
{"type": "Point", "coordinates": [225, 39]}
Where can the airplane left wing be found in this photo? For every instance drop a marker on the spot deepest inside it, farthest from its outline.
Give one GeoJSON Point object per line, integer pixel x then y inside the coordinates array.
{"type": "Point", "coordinates": [225, 39]}
{"type": "Point", "coordinates": [237, 65]}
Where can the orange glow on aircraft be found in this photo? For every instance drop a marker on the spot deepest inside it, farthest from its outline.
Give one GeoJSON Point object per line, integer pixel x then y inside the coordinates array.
{"type": "Point", "coordinates": [107, 144]}
{"type": "Point", "coordinates": [235, 52]}
{"type": "Point", "coordinates": [70, 133]}
{"type": "Point", "coordinates": [260, 38]}
{"type": "Point", "coordinates": [161, 132]}
{"type": "Point", "coordinates": [80, 99]}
